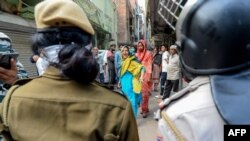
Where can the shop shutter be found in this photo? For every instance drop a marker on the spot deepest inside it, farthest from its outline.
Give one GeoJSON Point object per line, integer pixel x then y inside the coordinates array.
{"type": "Point", "coordinates": [21, 42]}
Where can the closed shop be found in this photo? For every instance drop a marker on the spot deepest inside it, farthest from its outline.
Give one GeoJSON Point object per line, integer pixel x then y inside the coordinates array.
{"type": "Point", "coordinates": [20, 31]}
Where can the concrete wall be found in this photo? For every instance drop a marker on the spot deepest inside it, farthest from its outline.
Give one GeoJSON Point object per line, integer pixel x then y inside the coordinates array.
{"type": "Point", "coordinates": [108, 17]}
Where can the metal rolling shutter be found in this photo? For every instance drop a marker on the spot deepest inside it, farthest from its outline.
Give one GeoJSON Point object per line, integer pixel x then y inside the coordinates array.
{"type": "Point", "coordinates": [21, 42]}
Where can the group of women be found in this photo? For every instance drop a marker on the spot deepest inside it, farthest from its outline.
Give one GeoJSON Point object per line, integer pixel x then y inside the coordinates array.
{"type": "Point", "coordinates": [135, 76]}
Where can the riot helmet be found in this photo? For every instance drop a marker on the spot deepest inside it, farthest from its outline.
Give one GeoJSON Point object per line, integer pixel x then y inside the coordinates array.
{"type": "Point", "coordinates": [5, 43]}
{"type": "Point", "coordinates": [214, 36]}
{"type": "Point", "coordinates": [4, 37]}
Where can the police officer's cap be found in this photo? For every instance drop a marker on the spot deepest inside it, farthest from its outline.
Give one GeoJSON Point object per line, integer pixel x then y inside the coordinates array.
{"type": "Point", "coordinates": [61, 13]}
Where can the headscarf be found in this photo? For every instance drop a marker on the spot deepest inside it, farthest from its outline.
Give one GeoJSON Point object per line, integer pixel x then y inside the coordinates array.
{"type": "Point", "coordinates": [140, 55]}
{"type": "Point", "coordinates": [130, 64]}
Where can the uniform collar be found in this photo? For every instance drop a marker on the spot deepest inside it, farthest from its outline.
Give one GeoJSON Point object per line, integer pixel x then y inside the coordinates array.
{"type": "Point", "coordinates": [231, 94]}
{"type": "Point", "coordinates": [55, 73]}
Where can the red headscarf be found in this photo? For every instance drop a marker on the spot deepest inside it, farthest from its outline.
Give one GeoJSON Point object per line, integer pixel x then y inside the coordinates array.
{"type": "Point", "coordinates": [140, 55]}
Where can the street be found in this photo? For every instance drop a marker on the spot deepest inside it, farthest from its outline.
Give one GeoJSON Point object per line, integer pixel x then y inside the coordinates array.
{"type": "Point", "coordinates": [52, 50]}
{"type": "Point", "coordinates": [148, 126]}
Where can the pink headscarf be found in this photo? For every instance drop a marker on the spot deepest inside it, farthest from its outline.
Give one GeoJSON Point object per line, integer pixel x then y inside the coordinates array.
{"type": "Point", "coordinates": [140, 55]}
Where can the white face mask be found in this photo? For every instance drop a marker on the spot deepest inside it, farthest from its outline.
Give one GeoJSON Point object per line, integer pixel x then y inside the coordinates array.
{"type": "Point", "coordinates": [41, 64]}
{"type": "Point", "coordinates": [50, 56]}
{"type": "Point", "coordinates": [51, 53]}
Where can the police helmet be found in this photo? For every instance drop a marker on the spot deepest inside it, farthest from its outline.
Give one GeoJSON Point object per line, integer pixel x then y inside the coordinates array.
{"type": "Point", "coordinates": [5, 43]}
{"type": "Point", "coordinates": [4, 37]}
{"type": "Point", "coordinates": [214, 36]}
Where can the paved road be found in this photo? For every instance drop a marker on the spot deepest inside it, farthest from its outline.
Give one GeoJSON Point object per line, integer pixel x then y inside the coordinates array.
{"type": "Point", "coordinates": [148, 126]}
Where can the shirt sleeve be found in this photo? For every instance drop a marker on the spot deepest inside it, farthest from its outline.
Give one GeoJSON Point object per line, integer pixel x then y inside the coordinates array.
{"type": "Point", "coordinates": [4, 130]}
{"type": "Point", "coordinates": [165, 56]}
{"type": "Point", "coordinates": [129, 131]}
{"type": "Point", "coordinates": [116, 60]}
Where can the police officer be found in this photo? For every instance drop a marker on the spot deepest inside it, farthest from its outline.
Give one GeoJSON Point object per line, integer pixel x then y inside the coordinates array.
{"type": "Point", "coordinates": [16, 71]}
{"type": "Point", "coordinates": [63, 103]}
{"type": "Point", "coordinates": [9, 75]}
{"type": "Point", "coordinates": [214, 50]}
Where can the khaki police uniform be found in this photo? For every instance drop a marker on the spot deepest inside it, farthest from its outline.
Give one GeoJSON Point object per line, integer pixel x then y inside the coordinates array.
{"type": "Point", "coordinates": [194, 115]}
{"type": "Point", "coordinates": [54, 108]}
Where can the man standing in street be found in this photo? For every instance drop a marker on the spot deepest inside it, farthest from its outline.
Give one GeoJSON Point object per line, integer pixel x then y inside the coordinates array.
{"type": "Point", "coordinates": [165, 56]}
{"type": "Point", "coordinates": [99, 59]}
{"type": "Point", "coordinates": [173, 71]}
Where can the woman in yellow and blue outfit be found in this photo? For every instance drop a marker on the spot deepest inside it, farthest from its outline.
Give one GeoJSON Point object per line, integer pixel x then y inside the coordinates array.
{"type": "Point", "coordinates": [131, 77]}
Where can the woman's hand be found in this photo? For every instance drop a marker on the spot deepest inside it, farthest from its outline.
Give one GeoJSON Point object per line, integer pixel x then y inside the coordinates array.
{"type": "Point", "coordinates": [119, 85]}
{"type": "Point", "coordinates": [141, 79]}
{"type": "Point", "coordinates": [161, 104]}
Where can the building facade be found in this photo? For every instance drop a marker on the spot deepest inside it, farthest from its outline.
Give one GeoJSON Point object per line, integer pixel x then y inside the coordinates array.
{"type": "Point", "coordinates": [17, 21]}
{"type": "Point", "coordinates": [161, 32]}
{"type": "Point", "coordinates": [103, 17]}
{"type": "Point", "coordinates": [127, 17]}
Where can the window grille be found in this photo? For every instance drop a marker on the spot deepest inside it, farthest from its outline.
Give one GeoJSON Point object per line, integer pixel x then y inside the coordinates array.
{"type": "Point", "coordinates": [169, 11]}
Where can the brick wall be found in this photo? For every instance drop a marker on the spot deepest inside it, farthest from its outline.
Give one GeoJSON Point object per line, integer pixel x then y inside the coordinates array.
{"type": "Point", "coordinates": [122, 21]}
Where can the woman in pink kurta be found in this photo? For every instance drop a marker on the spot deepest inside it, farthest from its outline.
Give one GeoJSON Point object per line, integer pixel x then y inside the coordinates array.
{"type": "Point", "coordinates": [146, 58]}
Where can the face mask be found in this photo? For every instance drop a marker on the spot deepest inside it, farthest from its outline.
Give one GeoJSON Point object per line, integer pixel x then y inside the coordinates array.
{"type": "Point", "coordinates": [42, 64]}
{"type": "Point", "coordinates": [51, 53]}
{"type": "Point", "coordinates": [132, 51]}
